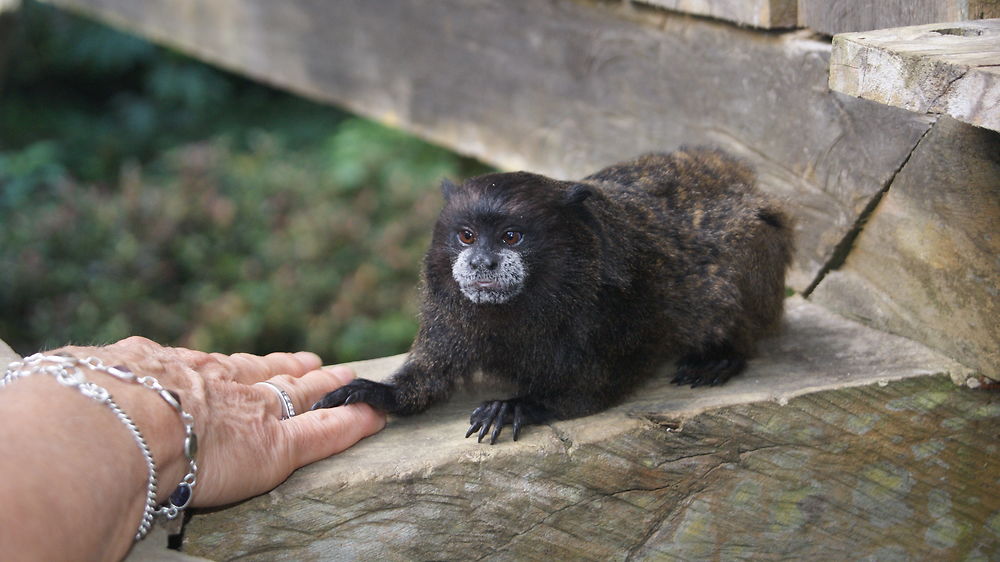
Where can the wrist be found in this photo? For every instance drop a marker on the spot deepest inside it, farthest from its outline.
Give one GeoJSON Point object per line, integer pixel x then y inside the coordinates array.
{"type": "Point", "coordinates": [159, 423]}
{"type": "Point", "coordinates": [171, 499]}
{"type": "Point", "coordinates": [167, 446]}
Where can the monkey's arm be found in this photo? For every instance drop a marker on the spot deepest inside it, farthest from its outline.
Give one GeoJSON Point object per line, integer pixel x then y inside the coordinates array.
{"type": "Point", "coordinates": [419, 383]}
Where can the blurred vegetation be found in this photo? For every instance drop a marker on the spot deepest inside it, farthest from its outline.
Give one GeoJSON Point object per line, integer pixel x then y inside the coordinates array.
{"type": "Point", "coordinates": [145, 193]}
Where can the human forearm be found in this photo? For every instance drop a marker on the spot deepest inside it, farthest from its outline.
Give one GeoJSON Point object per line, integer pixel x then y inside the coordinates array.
{"type": "Point", "coordinates": [73, 476]}
{"type": "Point", "coordinates": [73, 472]}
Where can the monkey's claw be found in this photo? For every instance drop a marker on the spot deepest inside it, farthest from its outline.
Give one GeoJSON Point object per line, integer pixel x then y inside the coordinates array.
{"type": "Point", "coordinates": [377, 394]}
{"type": "Point", "coordinates": [496, 414]}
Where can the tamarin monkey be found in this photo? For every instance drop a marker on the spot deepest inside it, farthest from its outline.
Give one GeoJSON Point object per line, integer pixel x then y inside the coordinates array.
{"type": "Point", "coordinates": [576, 291]}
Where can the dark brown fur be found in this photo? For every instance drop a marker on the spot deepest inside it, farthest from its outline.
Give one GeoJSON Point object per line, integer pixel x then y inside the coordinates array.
{"type": "Point", "coordinates": [668, 255]}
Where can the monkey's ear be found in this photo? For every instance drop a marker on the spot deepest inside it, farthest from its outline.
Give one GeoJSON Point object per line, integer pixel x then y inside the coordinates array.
{"type": "Point", "coordinates": [448, 188]}
{"type": "Point", "coordinates": [577, 194]}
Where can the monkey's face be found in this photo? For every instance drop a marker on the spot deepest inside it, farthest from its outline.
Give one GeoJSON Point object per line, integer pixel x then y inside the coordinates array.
{"type": "Point", "coordinates": [503, 238]}
{"type": "Point", "coordinates": [489, 268]}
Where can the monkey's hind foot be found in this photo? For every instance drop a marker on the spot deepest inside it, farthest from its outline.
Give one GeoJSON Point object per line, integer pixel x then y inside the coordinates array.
{"type": "Point", "coordinates": [377, 394]}
{"type": "Point", "coordinates": [498, 413]}
{"type": "Point", "coordinates": [709, 368]}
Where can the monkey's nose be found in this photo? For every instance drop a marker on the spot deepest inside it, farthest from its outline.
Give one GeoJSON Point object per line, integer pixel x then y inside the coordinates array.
{"type": "Point", "coordinates": [483, 261]}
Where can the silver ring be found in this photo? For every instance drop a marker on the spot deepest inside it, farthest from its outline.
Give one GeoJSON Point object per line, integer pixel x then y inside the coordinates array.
{"type": "Point", "coordinates": [287, 409]}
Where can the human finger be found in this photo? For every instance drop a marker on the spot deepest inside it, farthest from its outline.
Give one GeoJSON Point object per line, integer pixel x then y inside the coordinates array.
{"type": "Point", "coordinates": [248, 369]}
{"type": "Point", "coordinates": [305, 390]}
{"type": "Point", "coordinates": [326, 432]}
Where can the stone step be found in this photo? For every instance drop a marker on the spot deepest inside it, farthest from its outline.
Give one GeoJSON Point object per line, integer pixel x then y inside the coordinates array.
{"type": "Point", "coordinates": [838, 441]}
{"type": "Point", "coordinates": [949, 68]}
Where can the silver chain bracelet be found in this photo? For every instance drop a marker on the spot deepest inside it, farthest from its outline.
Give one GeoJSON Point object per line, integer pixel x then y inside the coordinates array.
{"type": "Point", "coordinates": [66, 370]}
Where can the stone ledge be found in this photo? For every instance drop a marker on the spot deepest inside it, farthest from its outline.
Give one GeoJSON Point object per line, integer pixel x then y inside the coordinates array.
{"type": "Point", "coordinates": [626, 480]}
{"type": "Point", "coordinates": [950, 68]}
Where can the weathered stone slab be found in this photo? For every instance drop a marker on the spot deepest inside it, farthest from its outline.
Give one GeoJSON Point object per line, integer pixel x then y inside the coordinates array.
{"type": "Point", "coordinates": [768, 14]}
{"type": "Point", "coordinates": [768, 465]}
{"type": "Point", "coordinates": [565, 87]}
{"type": "Point", "coordinates": [841, 16]}
{"type": "Point", "coordinates": [927, 264]}
{"type": "Point", "coordinates": [950, 68]}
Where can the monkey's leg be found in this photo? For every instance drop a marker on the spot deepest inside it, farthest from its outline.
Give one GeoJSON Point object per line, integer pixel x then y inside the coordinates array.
{"type": "Point", "coordinates": [710, 367]}
{"type": "Point", "coordinates": [498, 413]}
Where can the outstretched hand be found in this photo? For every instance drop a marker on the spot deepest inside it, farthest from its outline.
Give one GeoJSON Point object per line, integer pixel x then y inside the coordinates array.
{"type": "Point", "coordinates": [245, 448]}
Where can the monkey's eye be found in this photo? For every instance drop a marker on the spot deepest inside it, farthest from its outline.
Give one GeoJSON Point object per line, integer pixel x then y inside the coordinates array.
{"type": "Point", "coordinates": [512, 238]}
{"type": "Point", "coordinates": [467, 237]}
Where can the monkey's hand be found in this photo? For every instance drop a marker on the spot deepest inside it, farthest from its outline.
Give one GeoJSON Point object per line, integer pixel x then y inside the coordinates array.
{"type": "Point", "coordinates": [379, 395]}
{"type": "Point", "coordinates": [498, 413]}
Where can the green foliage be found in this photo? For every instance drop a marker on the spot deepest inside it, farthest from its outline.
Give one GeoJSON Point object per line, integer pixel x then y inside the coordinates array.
{"type": "Point", "coordinates": [101, 97]}
{"type": "Point", "coordinates": [171, 200]}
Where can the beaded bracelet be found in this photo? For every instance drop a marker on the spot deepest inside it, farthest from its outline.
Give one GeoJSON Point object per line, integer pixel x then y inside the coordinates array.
{"type": "Point", "coordinates": [66, 370]}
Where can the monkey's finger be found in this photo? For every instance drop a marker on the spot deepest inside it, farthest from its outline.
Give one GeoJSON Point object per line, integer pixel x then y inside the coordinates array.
{"type": "Point", "coordinates": [475, 413]}
{"type": "Point", "coordinates": [473, 428]}
{"type": "Point", "coordinates": [491, 417]}
{"type": "Point", "coordinates": [682, 376]}
{"type": "Point", "coordinates": [517, 420]}
{"type": "Point", "coordinates": [499, 420]}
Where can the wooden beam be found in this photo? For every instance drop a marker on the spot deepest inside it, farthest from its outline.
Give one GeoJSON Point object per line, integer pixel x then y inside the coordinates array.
{"type": "Point", "coordinates": [563, 88]}
{"type": "Point", "coordinates": [843, 16]}
{"type": "Point", "coordinates": [767, 14]}
{"type": "Point", "coordinates": [838, 443]}
{"type": "Point", "coordinates": [939, 68]}
{"type": "Point", "coordinates": [925, 266]}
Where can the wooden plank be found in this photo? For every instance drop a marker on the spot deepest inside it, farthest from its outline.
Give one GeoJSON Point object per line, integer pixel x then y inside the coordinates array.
{"type": "Point", "coordinates": [841, 16]}
{"type": "Point", "coordinates": [939, 68]}
{"type": "Point", "coordinates": [563, 88]}
{"type": "Point", "coordinates": [767, 14]}
{"type": "Point", "coordinates": [806, 456]}
{"type": "Point", "coordinates": [925, 265]}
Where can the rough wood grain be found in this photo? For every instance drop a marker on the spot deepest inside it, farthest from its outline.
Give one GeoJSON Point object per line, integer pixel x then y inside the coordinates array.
{"type": "Point", "coordinates": [805, 455]}
{"type": "Point", "coordinates": [767, 14]}
{"type": "Point", "coordinates": [926, 264]}
{"type": "Point", "coordinates": [842, 16]}
{"type": "Point", "coordinates": [563, 88]}
{"type": "Point", "coordinates": [951, 68]}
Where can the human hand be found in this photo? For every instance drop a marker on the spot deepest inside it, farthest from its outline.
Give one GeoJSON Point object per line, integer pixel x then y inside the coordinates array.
{"type": "Point", "coordinates": [244, 447]}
